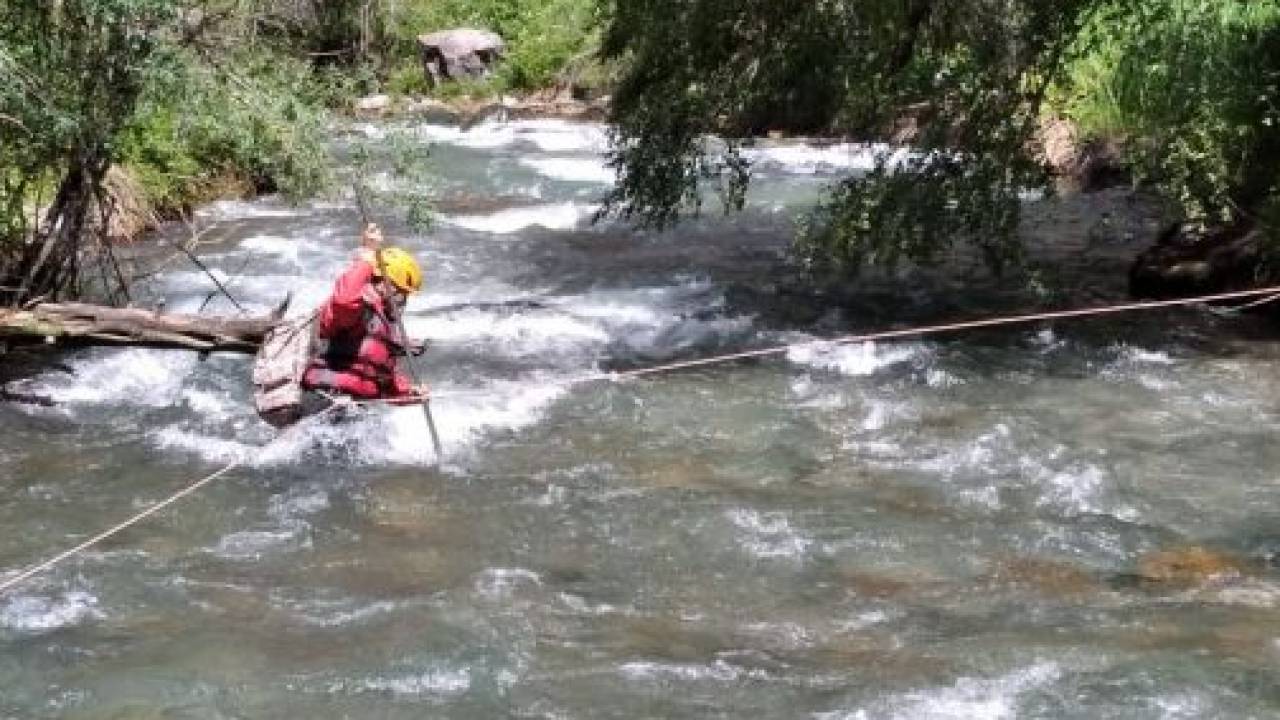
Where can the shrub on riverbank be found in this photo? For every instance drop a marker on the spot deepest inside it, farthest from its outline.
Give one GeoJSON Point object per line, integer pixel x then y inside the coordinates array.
{"type": "Point", "coordinates": [184, 97]}
{"type": "Point", "coordinates": [256, 122]}
{"type": "Point", "coordinates": [1192, 89]}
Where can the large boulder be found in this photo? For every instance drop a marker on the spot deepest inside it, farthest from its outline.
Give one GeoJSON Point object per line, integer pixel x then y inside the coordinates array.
{"type": "Point", "coordinates": [459, 53]}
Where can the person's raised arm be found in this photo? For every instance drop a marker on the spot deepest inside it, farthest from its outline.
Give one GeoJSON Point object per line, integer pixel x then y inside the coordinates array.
{"type": "Point", "coordinates": [345, 307]}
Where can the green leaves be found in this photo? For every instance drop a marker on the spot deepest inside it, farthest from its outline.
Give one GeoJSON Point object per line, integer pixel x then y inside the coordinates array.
{"type": "Point", "coordinates": [250, 114]}
{"type": "Point", "coordinates": [1192, 84]}
{"type": "Point", "coordinates": [972, 73]}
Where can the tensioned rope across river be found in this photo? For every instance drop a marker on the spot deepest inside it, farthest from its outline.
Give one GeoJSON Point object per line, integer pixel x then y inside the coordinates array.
{"type": "Point", "coordinates": [1266, 295]}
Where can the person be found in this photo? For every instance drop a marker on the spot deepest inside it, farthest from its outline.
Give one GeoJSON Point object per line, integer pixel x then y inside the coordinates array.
{"type": "Point", "coordinates": [360, 327]}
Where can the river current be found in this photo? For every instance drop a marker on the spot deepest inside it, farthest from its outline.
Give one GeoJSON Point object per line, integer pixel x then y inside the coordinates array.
{"type": "Point", "coordinates": [1054, 521]}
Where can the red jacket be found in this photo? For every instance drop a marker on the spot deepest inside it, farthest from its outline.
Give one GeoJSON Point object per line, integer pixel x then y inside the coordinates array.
{"type": "Point", "coordinates": [360, 341]}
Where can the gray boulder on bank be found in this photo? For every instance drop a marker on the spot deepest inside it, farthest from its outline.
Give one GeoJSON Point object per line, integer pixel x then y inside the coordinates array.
{"type": "Point", "coordinates": [459, 53]}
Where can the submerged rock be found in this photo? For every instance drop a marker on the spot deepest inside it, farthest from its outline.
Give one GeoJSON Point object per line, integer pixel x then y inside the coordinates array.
{"type": "Point", "coordinates": [1047, 577]}
{"type": "Point", "coordinates": [1188, 566]}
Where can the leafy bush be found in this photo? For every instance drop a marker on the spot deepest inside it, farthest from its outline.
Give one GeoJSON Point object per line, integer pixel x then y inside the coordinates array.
{"type": "Point", "coordinates": [407, 78]}
{"type": "Point", "coordinates": [258, 117]}
{"type": "Point", "coordinates": [1192, 85]}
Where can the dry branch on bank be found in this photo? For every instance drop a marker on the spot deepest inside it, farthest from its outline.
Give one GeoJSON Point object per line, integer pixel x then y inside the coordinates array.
{"type": "Point", "coordinates": [79, 325]}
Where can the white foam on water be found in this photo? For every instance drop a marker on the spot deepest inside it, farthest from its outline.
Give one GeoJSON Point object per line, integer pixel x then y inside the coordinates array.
{"type": "Point", "coordinates": [261, 208]}
{"type": "Point", "coordinates": [938, 378]}
{"type": "Point", "coordinates": [400, 434]}
{"type": "Point", "coordinates": [377, 435]}
{"type": "Point", "coordinates": [291, 250]}
{"type": "Point", "coordinates": [1079, 488]}
{"type": "Point", "coordinates": [265, 451]}
{"type": "Point", "coordinates": [298, 503]}
{"type": "Point", "coordinates": [878, 414]}
{"type": "Point", "coordinates": [557, 216]}
{"type": "Point", "coordinates": [583, 170]}
{"type": "Point", "coordinates": [579, 605]}
{"type": "Point", "coordinates": [252, 545]}
{"type": "Point", "coordinates": [210, 405]}
{"type": "Point", "coordinates": [811, 395]}
{"type": "Point", "coordinates": [559, 136]}
{"type": "Point", "coordinates": [1253, 593]}
{"type": "Point", "coordinates": [38, 614]}
{"type": "Point", "coordinates": [435, 684]}
{"type": "Point", "coordinates": [148, 378]}
{"type": "Point", "coordinates": [649, 306]}
{"type": "Point", "coordinates": [855, 359]}
{"type": "Point", "coordinates": [811, 159]}
{"type": "Point", "coordinates": [1181, 706]}
{"type": "Point", "coordinates": [718, 671]}
{"type": "Point", "coordinates": [546, 135]}
{"type": "Point", "coordinates": [531, 334]}
{"type": "Point", "coordinates": [968, 699]}
{"type": "Point", "coordinates": [573, 331]}
{"type": "Point", "coordinates": [483, 290]}
{"type": "Point", "coordinates": [499, 583]}
{"type": "Point", "coordinates": [982, 453]}
{"type": "Point", "coordinates": [1047, 340]}
{"type": "Point", "coordinates": [336, 612]}
{"type": "Point", "coordinates": [864, 620]}
{"type": "Point", "coordinates": [1152, 357]}
{"type": "Point", "coordinates": [769, 535]}
{"type": "Point", "coordinates": [789, 635]}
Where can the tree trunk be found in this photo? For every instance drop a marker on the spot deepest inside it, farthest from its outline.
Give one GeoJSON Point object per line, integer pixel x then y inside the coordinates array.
{"type": "Point", "coordinates": [79, 325]}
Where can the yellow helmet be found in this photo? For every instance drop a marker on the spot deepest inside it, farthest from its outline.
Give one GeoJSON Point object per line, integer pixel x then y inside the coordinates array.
{"type": "Point", "coordinates": [400, 268]}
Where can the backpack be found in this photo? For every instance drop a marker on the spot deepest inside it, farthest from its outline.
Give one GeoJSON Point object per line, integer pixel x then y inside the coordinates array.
{"type": "Point", "coordinates": [277, 371]}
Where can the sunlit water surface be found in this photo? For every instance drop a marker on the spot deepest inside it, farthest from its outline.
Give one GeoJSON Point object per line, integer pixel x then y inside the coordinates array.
{"type": "Point", "coordinates": [954, 527]}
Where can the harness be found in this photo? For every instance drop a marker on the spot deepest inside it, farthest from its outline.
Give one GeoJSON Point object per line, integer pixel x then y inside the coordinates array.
{"type": "Point", "coordinates": [347, 354]}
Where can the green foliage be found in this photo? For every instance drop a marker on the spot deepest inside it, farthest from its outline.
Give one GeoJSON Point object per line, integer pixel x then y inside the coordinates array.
{"type": "Point", "coordinates": [712, 67]}
{"type": "Point", "coordinates": [1192, 85]}
{"type": "Point", "coordinates": [69, 75]}
{"type": "Point", "coordinates": [407, 78]}
{"type": "Point", "coordinates": [255, 115]}
{"type": "Point", "coordinates": [843, 233]}
{"type": "Point", "coordinates": [181, 92]}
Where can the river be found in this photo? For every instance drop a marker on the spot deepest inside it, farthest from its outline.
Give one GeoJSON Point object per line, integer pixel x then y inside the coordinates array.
{"type": "Point", "coordinates": [1055, 521]}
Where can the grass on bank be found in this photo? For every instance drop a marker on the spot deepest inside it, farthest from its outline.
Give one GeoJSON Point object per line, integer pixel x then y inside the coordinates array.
{"type": "Point", "coordinates": [1190, 88]}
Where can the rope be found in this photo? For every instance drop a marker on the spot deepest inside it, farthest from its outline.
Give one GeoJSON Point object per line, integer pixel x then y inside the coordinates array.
{"type": "Point", "coordinates": [952, 327]}
{"type": "Point", "coordinates": [1255, 304]}
{"type": "Point", "coordinates": [1273, 292]}
{"type": "Point", "coordinates": [34, 570]}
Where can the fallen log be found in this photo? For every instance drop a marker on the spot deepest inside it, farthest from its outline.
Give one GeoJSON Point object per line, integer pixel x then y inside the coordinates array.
{"type": "Point", "coordinates": [80, 325]}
